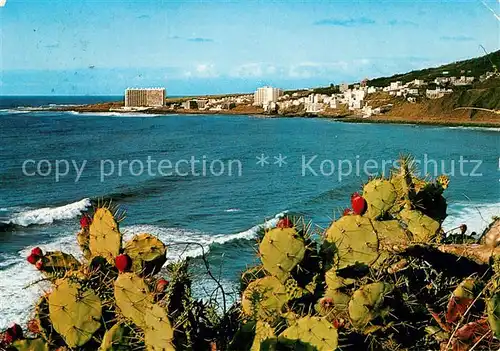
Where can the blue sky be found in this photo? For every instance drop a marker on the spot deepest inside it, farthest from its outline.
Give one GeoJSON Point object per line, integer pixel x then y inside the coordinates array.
{"type": "Point", "coordinates": [79, 47]}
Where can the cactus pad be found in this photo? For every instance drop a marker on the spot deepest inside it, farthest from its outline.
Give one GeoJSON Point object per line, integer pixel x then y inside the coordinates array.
{"type": "Point", "coordinates": [315, 331]}
{"type": "Point", "coordinates": [355, 239]}
{"type": "Point", "coordinates": [116, 338]}
{"type": "Point", "coordinates": [264, 298]}
{"type": "Point", "coordinates": [83, 239]}
{"type": "Point", "coordinates": [58, 262]}
{"type": "Point", "coordinates": [158, 333]}
{"type": "Point", "coordinates": [423, 228]}
{"type": "Point", "coordinates": [281, 250]}
{"type": "Point", "coordinates": [391, 233]}
{"type": "Point", "coordinates": [380, 195]}
{"type": "Point", "coordinates": [263, 331]}
{"type": "Point", "coordinates": [132, 297]}
{"type": "Point", "coordinates": [30, 345]}
{"type": "Point", "coordinates": [335, 282]}
{"type": "Point", "coordinates": [366, 303]}
{"type": "Point", "coordinates": [148, 254]}
{"type": "Point", "coordinates": [104, 237]}
{"type": "Point", "coordinates": [74, 312]}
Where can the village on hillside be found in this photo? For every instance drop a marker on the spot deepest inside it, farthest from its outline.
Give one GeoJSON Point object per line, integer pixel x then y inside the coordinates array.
{"type": "Point", "coordinates": [355, 99]}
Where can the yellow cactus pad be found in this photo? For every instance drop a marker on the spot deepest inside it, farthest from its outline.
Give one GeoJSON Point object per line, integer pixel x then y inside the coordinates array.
{"type": "Point", "coordinates": [423, 228]}
{"type": "Point", "coordinates": [281, 250]}
{"type": "Point", "coordinates": [355, 239]}
{"type": "Point", "coordinates": [75, 312]}
{"type": "Point", "coordinates": [316, 331]}
{"type": "Point", "coordinates": [380, 195]}
{"type": "Point", "coordinates": [158, 332]}
{"type": "Point", "coordinates": [147, 252]}
{"type": "Point", "coordinates": [263, 331]}
{"type": "Point", "coordinates": [132, 297]}
{"type": "Point", "coordinates": [264, 298]}
{"type": "Point", "coordinates": [366, 302]}
{"type": "Point", "coordinates": [104, 237]}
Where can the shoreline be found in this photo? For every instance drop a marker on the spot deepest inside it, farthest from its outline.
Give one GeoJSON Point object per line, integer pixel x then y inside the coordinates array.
{"type": "Point", "coordinates": [380, 119]}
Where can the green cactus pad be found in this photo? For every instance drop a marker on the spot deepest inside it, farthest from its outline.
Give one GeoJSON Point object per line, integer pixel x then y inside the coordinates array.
{"type": "Point", "coordinates": [158, 333]}
{"type": "Point", "coordinates": [293, 290]}
{"type": "Point", "coordinates": [83, 239]}
{"type": "Point", "coordinates": [30, 345]}
{"type": "Point", "coordinates": [263, 331]}
{"type": "Point", "coordinates": [250, 275]}
{"type": "Point", "coordinates": [391, 233]}
{"type": "Point", "coordinates": [59, 262]}
{"type": "Point", "coordinates": [493, 309]}
{"type": "Point", "coordinates": [116, 338]}
{"type": "Point", "coordinates": [264, 298]}
{"type": "Point", "coordinates": [380, 195]}
{"type": "Point", "coordinates": [316, 331]}
{"type": "Point", "coordinates": [423, 228]}
{"type": "Point", "coordinates": [74, 312]}
{"type": "Point", "coordinates": [281, 250]}
{"type": "Point", "coordinates": [104, 236]}
{"type": "Point", "coordinates": [148, 254]}
{"type": "Point", "coordinates": [334, 282]}
{"type": "Point", "coordinates": [355, 240]}
{"type": "Point", "coordinates": [43, 320]}
{"type": "Point", "coordinates": [132, 297]}
{"type": "Point", "coordinates": [366, 303]}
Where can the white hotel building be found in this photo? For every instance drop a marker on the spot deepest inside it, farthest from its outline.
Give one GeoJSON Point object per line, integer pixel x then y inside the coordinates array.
{"type": "Point", "coordinates": [266, 95]}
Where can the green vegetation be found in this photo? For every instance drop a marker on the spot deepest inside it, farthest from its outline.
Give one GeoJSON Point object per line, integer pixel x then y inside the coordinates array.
{"type": "Point", "coordinates": [472, 67]}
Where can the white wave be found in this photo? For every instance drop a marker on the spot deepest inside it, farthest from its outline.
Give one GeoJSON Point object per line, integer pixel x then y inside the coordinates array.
{"type": "Point", "coordinates": [476, 216]}
{"type": "Point", "coordinates": [48, 215]}
{"type": "Point", "coordinates": [232, 210]}
{"type": "Point", "coordinates": [13, 111]}
{"type": "Point", "coordinates": [112, 114]}
{"type": "Point", "coordinates": [176, 238]}
{"type": "Point", "coordinates": [489, 129]}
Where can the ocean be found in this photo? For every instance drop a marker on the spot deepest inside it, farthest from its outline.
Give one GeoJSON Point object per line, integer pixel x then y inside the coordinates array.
{"type": "Point", "coordinates": [212, 180]}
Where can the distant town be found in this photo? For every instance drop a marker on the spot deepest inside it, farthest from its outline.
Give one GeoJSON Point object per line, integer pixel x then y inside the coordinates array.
{"type": "Point", "coordinates": [355, 98]}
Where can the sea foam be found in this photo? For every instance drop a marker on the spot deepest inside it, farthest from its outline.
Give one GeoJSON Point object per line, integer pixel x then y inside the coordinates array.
{"type": "Point", "coordinates": [48, 215]}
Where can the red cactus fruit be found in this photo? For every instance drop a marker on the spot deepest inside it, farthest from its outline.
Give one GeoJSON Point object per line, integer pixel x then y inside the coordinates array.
{"type": "Point", "coordinates": [284, 222]}
{"type": "Point", "coordinates": [326, 302]}
{"type": "Point", "coordinates": [15, 331]}
{"type": "Point", "coordinates": [32, 259]}
{"type": "Point", "coordinates": [338, 323]}
{"type": "Point", "coordinates": [123, 263]}
{"type": "Point", "coordinates": [358, 204]}
{"type": "Point", "coordinates": [85, 221]}
{"type": "Point", "coordinates": [37, 252]}
{"type": "Point", "coordinates": [347, 212]}
{"type": "Point", "coordinates": [7, 339]}
{"type": "Point", "coordinates": [463, 228]}
{"type": "Point", "coordinates": [33, 326]}
{"type": "Point", "coordinates": [39, 264]}
{"type": "Point", "coordinates": [161, 285]}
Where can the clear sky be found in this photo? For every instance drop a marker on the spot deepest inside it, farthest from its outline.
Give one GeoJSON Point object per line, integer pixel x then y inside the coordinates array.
{"type": "Point", "coordinates": [77, 47]}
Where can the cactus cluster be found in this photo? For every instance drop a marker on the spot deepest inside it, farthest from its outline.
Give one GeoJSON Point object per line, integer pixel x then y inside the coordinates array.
{"type": "Point", "coordinates": [384, 276]}
{"type": "Point", "coordinates": [376, 279]}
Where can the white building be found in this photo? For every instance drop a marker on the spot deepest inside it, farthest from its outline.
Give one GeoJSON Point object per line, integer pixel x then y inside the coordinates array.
{"type": "Point", "coordinates": [266, 95]}
{"type": "Point", "coordinates": [150, 97]}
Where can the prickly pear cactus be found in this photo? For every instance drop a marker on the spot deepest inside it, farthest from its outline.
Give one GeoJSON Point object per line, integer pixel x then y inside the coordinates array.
{"type": "Point", "coordinates": [366, 303]}
{"type": "Point", "coordinates": [423, 228]}
{"type": "Point", "coordinates": [355, 240]}
{"type": "Point", "coordinates": [263, 331]}
{"type": "Point", "coordinates": [116, 339]}
{"type": "Point", "coordinates": [158, 333]}
{"type": "Point", "coordinates": [264, 299]}
{"type": "Point", "coordinates": [43, 320]}
{"type": "Point", "coordinates": [104, 236]}
{"type": "Point", "coordinates": [75, 312]}
{"type": "Point", "coordinates": [148, 254]}
{"type": "Point", "coordinates": [316, 331]}
{"type": "Point", "coordinates": [281, 250]}
{"type": "Point", "coordinates": [58, 262]}
{"type": "Point", "coordinates": [380, 196]}
{"type": "Point", "coordinates": [83, 239]}
{"type": "Point", "coordinates": [31, 345]}
{"type": "Point", "coordinates": [132, 297]}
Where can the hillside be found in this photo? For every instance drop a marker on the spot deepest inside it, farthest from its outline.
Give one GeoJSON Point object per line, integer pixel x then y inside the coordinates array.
{"type": "Point", "coordinates": [472, 67]}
